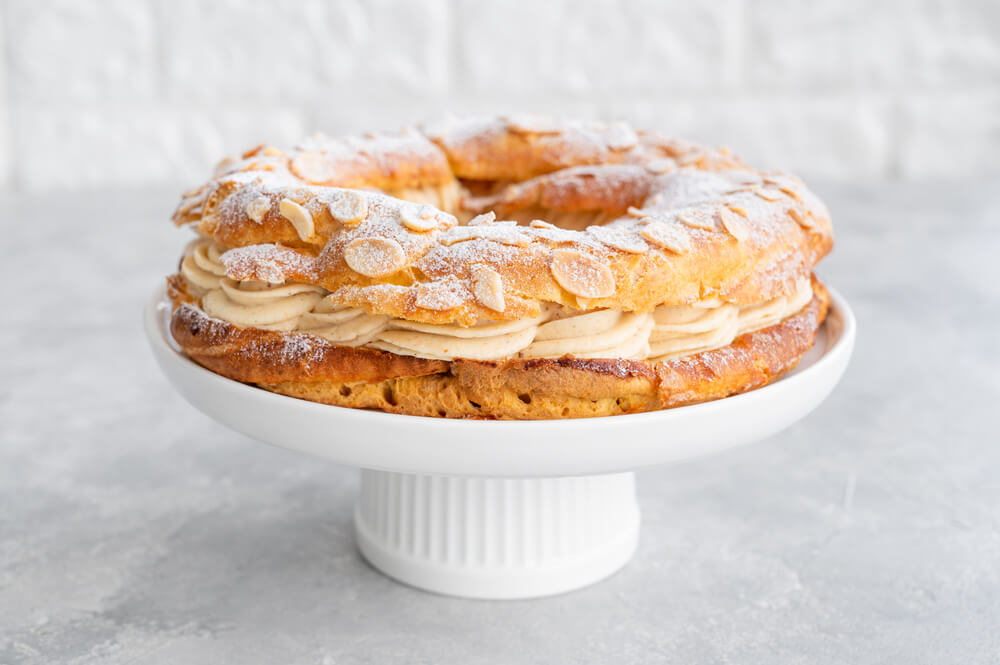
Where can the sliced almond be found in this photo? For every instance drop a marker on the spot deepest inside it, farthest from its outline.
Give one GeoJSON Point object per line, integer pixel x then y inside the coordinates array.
{"type": "Point", "coordinates": [374, 257]}
{"type": "Point", "coordinates": [582, 275]}
{"type": "Point", "coordinates": [739, 210]}
{"type": "Point", "coordinates": [697, 219]}
{"type": "Point", "coordinates": [437, 131]}
{"type": "Point", "coordinates": [299, 217]}
{"type": "Point", "coordinates": [313, 167]}
{"type": "Point", "coordinates": [805, 220]}
{"type": "Point", "coordinates": [767, 194]}
{"type": "Point", "coordinates": [690, 157]}
{"type": "Point", "coordinates": [636, 212]}
{"type": "Point", "coordinates": [659, 166]}
{"type": "Point", "coordinates": [226, 164]}
{"type": "Point", "coordinates": [542, 224]}
{"type": "Point", "coordinates": [533, 123]}
{"type": "Point", "coordinates": [485, 218]}
{"type": "Point", "coordinates": [735, 225]}
{"type": "Point", "coordinates": [621, 136]}
{"type": "Point", "coordinates": [503, 234]}
{"type": "Point", "coordinates": [621, 239]}
{"type": "Point", "coordinates": [418, 218]}
{"type": "Point", "coordinates": [791, 192]}
{"type": "Point", "coordinates": [349, 207]}
{"type": "Point", "coordinates": [668, 236]}
{"type": "Point", "coordinates": [257, 208]}
{"type": "Point", "coordinates": [487, 286]}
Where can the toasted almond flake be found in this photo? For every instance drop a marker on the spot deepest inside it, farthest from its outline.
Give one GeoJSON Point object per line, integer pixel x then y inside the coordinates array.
{"type": "Point", "coordinates": [668, 236]}
{"type": "Point", "coordinates": [805, 220]}
{"type": "Point", "coordinates": [313, 167]}
{"type": "Point", "coordinates": [690, 157]}
{"type": "Point", "coordinates": [697, 219]}
{"type": "Point", "coordinates": [743, 188]}
{"type": "Point", "coordinates": [767, 194]}
{"type": "Point", "coordinates": [437, 131]}
{"type": "Point", "coordinates": [271, 151]}
{"type": "Point", "coordinates": [791, 192]}
{"type": "Point", "coordinates": [485, 218]}
{"type": "Point", "coordinates": [739, 210]}
{"type": "Point", "coordinates": [487, 286]}
{"type": "Point", "coordinates": [582, 275]}
{"type": "Point", "coordinates": [503, 234]}
{"type": "Point", "coordinates": [299, 217]}
{"type": "Point", "coordinates": [257, 208]}
{"type": "Point", "coordinates": [621, 136]}
{"type": "Point", "coordinates": [533, 123]}
{"type": "Point", "coordinates": [624, 240]}
{"type": "Point", "coordinates": [734, 224]}
{"type": "Point", "coordinates": [349, 207]}
{"type": "Point", "coordinates": [225, 164]}
{"type": "Point", "coordinates": [418, 218]}
{"type": "Point", "coordinates": [635, 212]}
{"type": "Point", "coordinates": [659, 166]}
{"type": "Point", "coordinates": [188, 206]}
{"type": "Point", "coordinates": [374, 256]}
{"type": "Point", "coordinates": [541, 224]}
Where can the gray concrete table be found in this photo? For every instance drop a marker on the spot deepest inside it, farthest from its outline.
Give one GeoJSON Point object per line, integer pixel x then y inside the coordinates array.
{"type": "Point", "coordinates": [135, 530]}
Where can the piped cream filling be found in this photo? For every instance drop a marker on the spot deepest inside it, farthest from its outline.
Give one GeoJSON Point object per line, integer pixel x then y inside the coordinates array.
{"type": "Point", "coordinates": [666, 332]}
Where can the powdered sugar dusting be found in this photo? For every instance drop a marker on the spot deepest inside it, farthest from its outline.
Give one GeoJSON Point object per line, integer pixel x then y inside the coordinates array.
{"type": "Point", "coordinates": [268, 263]}
{"type": "Point", "coordinates": [442, 295]}
{"type": "Point", "coordinates": [625, 239]}
{"type": "Point", "coordinates": [605, 169]}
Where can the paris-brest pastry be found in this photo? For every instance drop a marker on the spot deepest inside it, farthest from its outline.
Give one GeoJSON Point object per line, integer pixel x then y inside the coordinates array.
{"type": "Point", "coordinates": [513, 267]}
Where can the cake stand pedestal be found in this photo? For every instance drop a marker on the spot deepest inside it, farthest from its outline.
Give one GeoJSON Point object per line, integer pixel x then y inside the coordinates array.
{"type": "Point", "coordinates": [497, 537]}
{"type": "Point", "coordinates": [503, 509]}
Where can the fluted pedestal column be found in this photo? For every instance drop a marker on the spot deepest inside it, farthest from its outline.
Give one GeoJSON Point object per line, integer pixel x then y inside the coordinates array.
{"type": "Point", "coordinates": [497, 537]}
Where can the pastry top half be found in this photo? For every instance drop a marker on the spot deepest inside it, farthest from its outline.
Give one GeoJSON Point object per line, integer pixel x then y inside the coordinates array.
{"type": "Point", "coordinates": [480, 223]}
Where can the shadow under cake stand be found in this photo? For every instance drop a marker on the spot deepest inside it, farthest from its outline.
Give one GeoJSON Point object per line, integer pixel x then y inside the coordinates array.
{"type": "Point", "coordinates": [503, 509]}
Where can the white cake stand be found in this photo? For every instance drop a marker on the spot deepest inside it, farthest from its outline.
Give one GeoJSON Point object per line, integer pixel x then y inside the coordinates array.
{"type": "Point", "coordinates": [496, 509]}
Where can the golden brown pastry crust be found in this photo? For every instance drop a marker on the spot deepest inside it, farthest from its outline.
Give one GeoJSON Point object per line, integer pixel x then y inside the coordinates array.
{"type": "Point", "coordinates": [693, 223]}
{"type": "Point", "coordinates": [308, 367]}
{"type": "Point", "coordinates": [609, 218]}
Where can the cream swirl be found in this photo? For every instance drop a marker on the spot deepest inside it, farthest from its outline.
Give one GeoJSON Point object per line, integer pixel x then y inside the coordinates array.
{"type": "Point", "coordinates": [770, 312]}
{"type": "Point", "coordinates": [608, 333]}
{"type": "Point", "coordinates": [685, 330]}
{"type": "Point", "coordinates": [489, 341]}
{"type": "Point", "coordinates": [201, 265]}
{"type": "Point", "coordinates": [253, 304]}
{"type": "Point", "coordinates": [350, 326]}
{"type": "Point", "coordinates": [666, 332]}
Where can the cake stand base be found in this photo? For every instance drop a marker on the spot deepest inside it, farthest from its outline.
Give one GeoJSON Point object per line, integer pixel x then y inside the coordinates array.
{"type": "Point", "coordinates": [497, 537]}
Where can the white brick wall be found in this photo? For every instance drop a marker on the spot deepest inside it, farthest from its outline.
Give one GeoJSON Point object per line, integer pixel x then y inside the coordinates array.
{"type": "Point", "coordinates": [107, 93]}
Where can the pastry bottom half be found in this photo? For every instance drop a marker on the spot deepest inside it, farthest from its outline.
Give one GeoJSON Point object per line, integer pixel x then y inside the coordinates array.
{"type": "Point", "coordinates": [311, 368]}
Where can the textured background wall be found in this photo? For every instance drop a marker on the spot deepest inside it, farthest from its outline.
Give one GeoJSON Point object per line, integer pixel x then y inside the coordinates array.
{"type": "Point", "coordinates": [149, 92]}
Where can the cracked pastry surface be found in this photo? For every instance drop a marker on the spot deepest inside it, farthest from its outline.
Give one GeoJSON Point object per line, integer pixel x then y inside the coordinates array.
{"type": "Point", "coordinates": [549, 259]}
